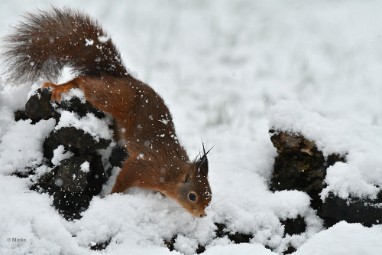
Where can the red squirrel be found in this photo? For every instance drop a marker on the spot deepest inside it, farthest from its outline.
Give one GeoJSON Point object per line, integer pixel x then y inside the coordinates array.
{"type": "Point", "coordinates": [47, 41]}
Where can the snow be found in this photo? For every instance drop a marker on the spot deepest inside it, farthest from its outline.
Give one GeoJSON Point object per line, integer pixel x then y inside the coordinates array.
{"type": "Point", "coordinates": [85, 167]}
{"type": "Point", "coordinates": [90, 124]}
{"type": "Point", "coordinates": [73, 92]}
{"type": "Point", "coordinates": [239, 249]}
{"type": "Point", "coordinates": [337, 240]}
{"type": "Point", "coordinates": [60, 154]}
{"type": "Point", "coordinates": [19, 150]}
{"type": "Point", "coordinates": [229, 71]}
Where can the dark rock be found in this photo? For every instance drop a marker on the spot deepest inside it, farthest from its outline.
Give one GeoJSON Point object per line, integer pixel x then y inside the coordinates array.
{"type": "Point", "coordinates": [97, 177]}
{"type": "Point", "coordinates": [170, 246]}
{"type": "Point", "coordinates": [200, 249]}
{"type": "Point", "coordinates": [100, 246]}
{"type": "Point", "coordinates": [294, 226]}
{"type": "Point", "coordinates": [71, 187]}
{"type": "Point", "coordinates": [221, 230]}
{"type": "Point", "coordinates": [46, 182]}
{"type": "Point", "coordinates": [353, 210]}
{"type": "Point", "coordinates": [236, 237]}
{"type": "Point", "coordinates": [299, 165]}
{"type": "Point", "coordinates": [81, 108]}
{"type": "Point", "coordinates": [70, 205]}
{"type": "Point", "coordinates": [25, 174]}
{"type": "Point", "coordinates": [290, 250]}
{"type": "Point", "coordinates": [79, 139]}
{"type": "Point", "coordinates": [118, 156]}
{"type": "Point", "coordinates": [39, 106]}
{"type": "Point", "coordinates": [20, 115]}
{"type": "Point", "coordinates": [76, 141]}
{"type": "Point", "coordinates": [71, 178]}
{"type": "Point", "coordinates": [170, 243]}
{"type": "Point", "coordinates": [50, 144]}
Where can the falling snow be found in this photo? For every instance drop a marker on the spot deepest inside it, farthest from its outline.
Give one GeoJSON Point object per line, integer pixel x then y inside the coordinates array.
{"type": "Point", "coordinates": [228, 70]}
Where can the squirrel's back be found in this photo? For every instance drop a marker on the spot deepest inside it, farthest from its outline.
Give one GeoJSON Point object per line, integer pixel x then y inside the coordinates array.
{"type": "Point", "coordinates": [47, 41]}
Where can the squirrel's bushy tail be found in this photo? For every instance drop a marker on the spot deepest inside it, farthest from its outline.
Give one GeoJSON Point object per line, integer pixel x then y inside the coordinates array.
{"type": "Point", "coordinates": [46, 41]}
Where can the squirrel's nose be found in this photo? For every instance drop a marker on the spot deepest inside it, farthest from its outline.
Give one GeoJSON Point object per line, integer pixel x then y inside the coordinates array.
{"type": "Point", "coordinates": [198, 213]}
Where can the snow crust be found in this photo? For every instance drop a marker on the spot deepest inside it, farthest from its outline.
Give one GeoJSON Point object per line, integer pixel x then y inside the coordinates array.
{"type": "Point", "coordinates": [224, 68]}
{"type": "Point", "coordinates": [89, 123]}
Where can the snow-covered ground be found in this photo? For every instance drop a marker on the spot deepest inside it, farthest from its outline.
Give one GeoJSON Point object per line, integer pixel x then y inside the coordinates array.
{"type": "Point", "coordinates": [228, 70]}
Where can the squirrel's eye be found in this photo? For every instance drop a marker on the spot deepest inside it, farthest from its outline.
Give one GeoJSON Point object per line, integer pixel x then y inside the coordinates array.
{"type": "Point", "coordinates": [192, 196]}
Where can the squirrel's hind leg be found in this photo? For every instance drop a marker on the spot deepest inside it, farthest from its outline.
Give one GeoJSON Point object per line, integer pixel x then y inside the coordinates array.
{"type": "Point", "coordinates": [59, 89]}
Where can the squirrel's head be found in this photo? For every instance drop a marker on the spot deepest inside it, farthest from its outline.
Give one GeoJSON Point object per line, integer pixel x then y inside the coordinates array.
{"type": "Point", "coordinates": [193, 191]}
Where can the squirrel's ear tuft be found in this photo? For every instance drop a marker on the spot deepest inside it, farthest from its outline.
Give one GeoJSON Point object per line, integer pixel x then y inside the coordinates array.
{"type": "Point", "coordinates": [202, 163]}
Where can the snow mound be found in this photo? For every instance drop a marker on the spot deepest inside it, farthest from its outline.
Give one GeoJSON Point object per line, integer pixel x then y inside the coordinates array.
{"type": "Point", "coordinates": [361, 175]}
{"type": "Point", "coordinates": [21, 145]}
